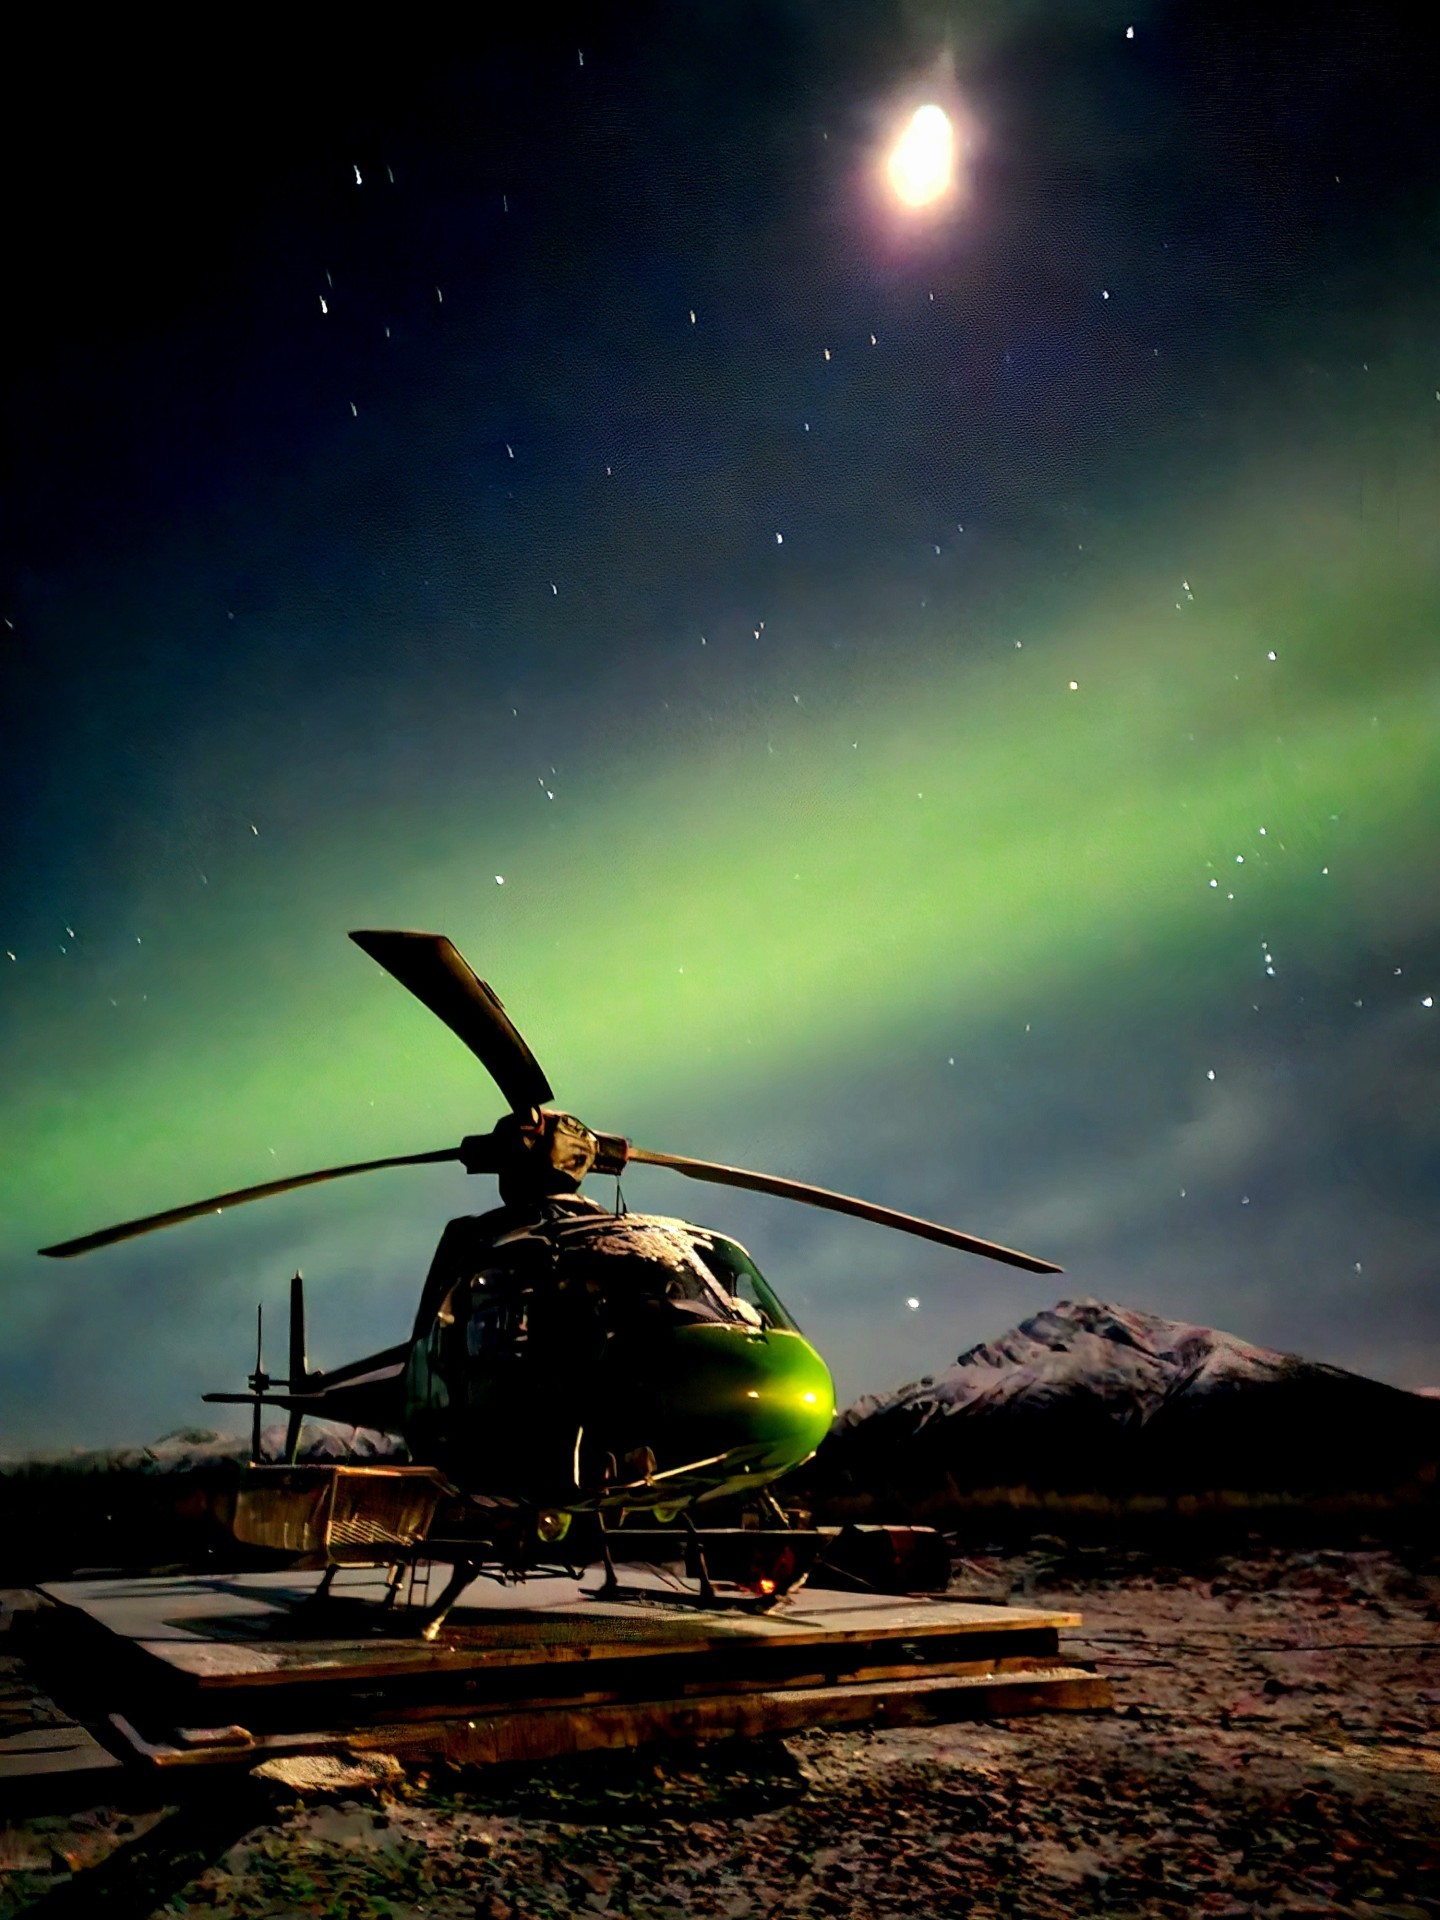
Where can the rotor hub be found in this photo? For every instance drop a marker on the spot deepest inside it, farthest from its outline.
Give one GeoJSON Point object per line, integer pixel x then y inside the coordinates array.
{"type": "Point", "coordinates": [541, 1152]}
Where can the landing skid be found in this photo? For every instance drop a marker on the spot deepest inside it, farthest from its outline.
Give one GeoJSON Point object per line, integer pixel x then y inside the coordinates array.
{"type": "Point", "coordinates": [400, 1518]}
{"type": "Point", "coordinates": [756, 1595]}
{"type": "Point", "coordinates": [695, 1562]}
{"type": "Point", "coordinates": [461, 1575]}
{"type": "Point", "coordinates": [426, 1620]}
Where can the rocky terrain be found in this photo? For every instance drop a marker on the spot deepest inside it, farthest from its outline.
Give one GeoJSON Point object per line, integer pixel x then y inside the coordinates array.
{"type": "Point", "coordinates": [1275, 1750]}
{"type": "Point", "coordinates": [1088, 1398]}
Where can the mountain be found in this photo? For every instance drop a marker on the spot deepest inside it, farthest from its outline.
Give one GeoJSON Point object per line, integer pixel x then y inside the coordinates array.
{"type": "Point", "coordinates": [190, 1447]}
{"type": "Point", "coordinates": [138, 1507]}
{"type": "Point", "coordinates": [320, 1441]}
{"type": "Point", "coordinates": [1092, 1398]}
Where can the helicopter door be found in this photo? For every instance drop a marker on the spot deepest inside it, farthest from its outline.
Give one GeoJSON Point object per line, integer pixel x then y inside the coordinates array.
{"type": "Point", "coordinates": [497, 1323]}
{"type": "Point", "coordinates": [476, 1333]}
{"type": "Point", "coordinates": [489, 1365]}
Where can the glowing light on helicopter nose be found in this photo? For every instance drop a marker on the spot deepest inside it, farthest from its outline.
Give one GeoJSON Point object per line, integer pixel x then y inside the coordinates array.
{"type": "Point", "coordinates": [751, 1393]}
{"type": "Point", "coordinates": [922, 162]}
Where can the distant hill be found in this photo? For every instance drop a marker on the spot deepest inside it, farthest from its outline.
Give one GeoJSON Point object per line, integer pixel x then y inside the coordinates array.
{"type": "Point", "coordinates": [1092, 1398]}
{"type": "Point", "coordinates": [138, 1507]}
{"type": "Point", "coordinates": [190, 1447]}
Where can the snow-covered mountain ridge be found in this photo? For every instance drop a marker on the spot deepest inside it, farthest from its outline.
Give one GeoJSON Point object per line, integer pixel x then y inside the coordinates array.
{"type": "Point", "coordinates": [1135, 1360]}
{"type": "Point", "coordinates": [1091, 1396]}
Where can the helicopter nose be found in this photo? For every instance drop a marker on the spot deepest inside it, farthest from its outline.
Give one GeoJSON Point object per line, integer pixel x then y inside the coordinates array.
{"type": "Point", "coordinates": [762, 1402]}
{"type": "Point", "coordinates": [782, 1395]}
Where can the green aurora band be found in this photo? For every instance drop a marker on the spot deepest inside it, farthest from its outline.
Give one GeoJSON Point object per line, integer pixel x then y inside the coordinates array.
{"type": "Point", "coordinates": [947, 848]}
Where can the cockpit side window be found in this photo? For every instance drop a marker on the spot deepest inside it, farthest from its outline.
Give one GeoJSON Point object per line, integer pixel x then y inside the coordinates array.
{"type": "Point", "coordinates": [748, 1288]}
{"type": "Point", "coordinates": [494, 1312]}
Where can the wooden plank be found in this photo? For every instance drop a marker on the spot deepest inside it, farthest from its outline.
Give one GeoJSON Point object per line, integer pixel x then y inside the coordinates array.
{"type": "Point", "coordinates": [243, 1631]}
{"type": "Point", "coordinates": [707, 1686]}
{"type": "Point", "coordinates": [46, 1751]}
{"type": "Point", "coordinates": [38, 1739]}
{"type": "Point", "coordinates": [218, 1667]}
{"type": "Point", "coordinates": [548, 1732]}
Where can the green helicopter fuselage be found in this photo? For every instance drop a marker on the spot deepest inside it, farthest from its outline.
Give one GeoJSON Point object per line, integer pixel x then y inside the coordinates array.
{"type": "Point", "coordinates": [576, 1359]}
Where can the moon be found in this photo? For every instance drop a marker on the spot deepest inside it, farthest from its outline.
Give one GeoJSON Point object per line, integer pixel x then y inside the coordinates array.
{"type": "Point", "coordinates": [922, 162]}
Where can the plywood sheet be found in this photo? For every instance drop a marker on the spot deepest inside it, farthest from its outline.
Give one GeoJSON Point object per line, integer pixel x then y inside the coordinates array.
{"type": "Point", "coordinates": [252, 1629]}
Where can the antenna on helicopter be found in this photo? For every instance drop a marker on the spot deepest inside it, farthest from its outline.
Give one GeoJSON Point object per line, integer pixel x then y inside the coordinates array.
{"type": "Point", "coordinates": [299, 1380]}
{"type": "Point", "coordinates": [262, 1384]}
{"type": "Point", "coordinates": [258, 1382]}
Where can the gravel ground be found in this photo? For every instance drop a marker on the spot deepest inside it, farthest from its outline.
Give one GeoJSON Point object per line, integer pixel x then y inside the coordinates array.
{"type": "Point", "coordinates": [1275, 1749]}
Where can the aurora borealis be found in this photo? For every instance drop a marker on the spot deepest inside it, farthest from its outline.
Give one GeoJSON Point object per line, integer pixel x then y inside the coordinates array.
{"type": "Point", "coordinates": [946, 713]}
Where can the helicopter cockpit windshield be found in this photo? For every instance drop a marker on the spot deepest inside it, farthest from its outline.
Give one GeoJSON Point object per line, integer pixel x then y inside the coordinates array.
{"type": "Point", "coordinates": [747, 1287]}
{"type": "Point", "coordinates": [584, 1276]}
{"type": "Point", "coordinates": [634, 1272]}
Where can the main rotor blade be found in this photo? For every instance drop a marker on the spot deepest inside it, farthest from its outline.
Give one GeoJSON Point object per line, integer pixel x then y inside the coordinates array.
{"type": "Point", "coordinates": [132, 1229]}
{"type": "Point", "coordinates": [840, 1203]}
{"type": "Point", "coordinates": [442, 980]}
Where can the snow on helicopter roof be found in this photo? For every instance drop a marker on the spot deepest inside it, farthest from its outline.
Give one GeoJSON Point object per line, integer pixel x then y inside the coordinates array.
{"type": "Point", "coordinates": [654, 1237]}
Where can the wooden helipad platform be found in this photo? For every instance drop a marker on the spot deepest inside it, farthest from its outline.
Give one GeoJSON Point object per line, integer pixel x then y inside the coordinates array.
{"type": "Point", "coordinates": [255, 1630]}
{"type": "Point", "coordinates": [182, 1673]}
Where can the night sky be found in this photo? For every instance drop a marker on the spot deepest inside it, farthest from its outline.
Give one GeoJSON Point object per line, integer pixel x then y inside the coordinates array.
{"type": "Point", "coordinates": [942, 702]}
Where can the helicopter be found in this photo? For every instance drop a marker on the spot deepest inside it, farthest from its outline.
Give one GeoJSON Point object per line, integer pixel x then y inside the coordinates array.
{"type": "Point", "coordinates": [567, 1362]}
